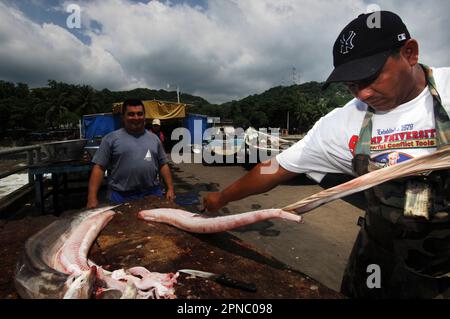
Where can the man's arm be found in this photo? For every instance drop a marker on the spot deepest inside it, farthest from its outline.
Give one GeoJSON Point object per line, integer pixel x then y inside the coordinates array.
{"type": "Point", "coordinates": [167, 176]}
{"type": "Point", "coordinates": [98, 172]}
{"type": "Point", "coordinates": [260, 179]}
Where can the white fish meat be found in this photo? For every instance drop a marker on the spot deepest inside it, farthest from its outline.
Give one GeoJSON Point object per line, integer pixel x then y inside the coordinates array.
{"type": "Point", "coordinates": [196, 223]}
{"type": "Point", "coordinates": [54, 264]}
{"type": "Point", "coordinates": [38, 274]}
{"type": "Point", "coordinates": [438, 160]}
{"type": "Point", "coordinates": [71, 257]}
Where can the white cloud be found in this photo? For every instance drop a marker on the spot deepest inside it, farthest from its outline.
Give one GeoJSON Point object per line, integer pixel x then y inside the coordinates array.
{"type": "Point", "coordinates": [226, 51]}
{"type": "Point", "coordinates": [33, 54]}
{"type": "Point", "coordinates": [427, 22]}
{"type": "Point", "coordinates": [230, 50]}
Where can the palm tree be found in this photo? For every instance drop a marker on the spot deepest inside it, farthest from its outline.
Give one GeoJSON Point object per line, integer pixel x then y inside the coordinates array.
{"type": "Point", "coordinates": [88, 101]}
{"type": "Point", "coordinates": [55, 115]}
{"type": "Point", "coordinates": [60, 99]}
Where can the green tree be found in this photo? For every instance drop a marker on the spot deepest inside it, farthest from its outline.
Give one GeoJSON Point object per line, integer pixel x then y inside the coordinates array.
{"type": "Point", "coordinates": [88, 102]}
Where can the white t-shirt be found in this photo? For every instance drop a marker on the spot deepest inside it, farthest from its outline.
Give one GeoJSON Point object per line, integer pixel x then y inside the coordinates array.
{"type": "Point", "coordinates": [397, 135]}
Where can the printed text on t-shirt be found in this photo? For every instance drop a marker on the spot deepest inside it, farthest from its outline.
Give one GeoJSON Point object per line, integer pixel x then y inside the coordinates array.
{"type": "Point", "coordinates": [404, 140]}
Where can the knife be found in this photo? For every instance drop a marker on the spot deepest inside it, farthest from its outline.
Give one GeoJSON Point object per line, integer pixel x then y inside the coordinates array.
{"type": "Point", "coordinates": [222, 279]}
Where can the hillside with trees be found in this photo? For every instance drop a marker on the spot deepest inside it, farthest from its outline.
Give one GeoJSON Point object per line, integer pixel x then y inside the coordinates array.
{"type": "Point", "coordinates": [61, 105]}
{"type": "Point", "coordinates": [306, 103]}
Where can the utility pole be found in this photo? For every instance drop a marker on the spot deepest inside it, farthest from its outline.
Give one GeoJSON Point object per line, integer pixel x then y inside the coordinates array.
{"type": "Point", "coordinates": [288, 121]}
{"type": "Point", "coordinates": [178, 91]}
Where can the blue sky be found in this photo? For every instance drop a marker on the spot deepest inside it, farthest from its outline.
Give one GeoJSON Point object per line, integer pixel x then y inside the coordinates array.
{"type": "Point", "coordinates": [219, 49]}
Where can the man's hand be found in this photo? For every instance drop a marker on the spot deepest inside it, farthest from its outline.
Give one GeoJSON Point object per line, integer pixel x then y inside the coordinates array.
{"type": "Point", "coordinates": [170, 195]}
{"type": "Point", "coordinates": [212, 202]}
{"type": "Point", "coordinates": [165, 173]}
{"type": "Point", "coordinates": [92, 203]}
{"type": "Point", "coordinates": [262, 178]}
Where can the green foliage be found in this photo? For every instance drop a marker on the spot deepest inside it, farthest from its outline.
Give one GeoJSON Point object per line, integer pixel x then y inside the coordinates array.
{"type": "Point", "coordinates": [61, 104]}
{"type": "Point", "coordinates": [306, 103]}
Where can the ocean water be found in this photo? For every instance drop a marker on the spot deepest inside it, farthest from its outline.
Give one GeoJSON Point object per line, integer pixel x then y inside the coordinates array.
{"type": "Point", "coordinates": [11, 183]}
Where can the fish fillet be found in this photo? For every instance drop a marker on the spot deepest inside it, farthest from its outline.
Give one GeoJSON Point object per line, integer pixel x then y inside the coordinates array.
{"type": "Point", "coordinates": [196, 223]}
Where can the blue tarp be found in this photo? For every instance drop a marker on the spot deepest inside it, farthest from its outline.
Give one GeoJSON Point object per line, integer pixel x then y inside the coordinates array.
{"type": "Point", "coordinates": [196, 124]}
{"type": "Point", "coordinates": [98, 125]}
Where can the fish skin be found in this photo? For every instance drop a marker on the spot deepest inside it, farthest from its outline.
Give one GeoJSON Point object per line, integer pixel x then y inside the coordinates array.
{"type": "Point", "coordinates": [54, 264]}
{"type": "Point", "coordinates": [424, 164]}
{"type": "Point", "coordinates": [35, 274]}
{"type": "Point", "coordinates": [130, 291]}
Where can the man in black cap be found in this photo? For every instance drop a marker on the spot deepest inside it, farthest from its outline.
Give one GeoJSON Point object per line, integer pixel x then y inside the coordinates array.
{"type": "Point", "coordinates": [400, 111]}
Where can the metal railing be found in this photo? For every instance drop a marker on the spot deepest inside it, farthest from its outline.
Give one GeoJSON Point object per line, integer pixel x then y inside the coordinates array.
{"type": "Point", "coordinates": [47, 152]}
{"type": "Point", "coordinates": [33, 156]}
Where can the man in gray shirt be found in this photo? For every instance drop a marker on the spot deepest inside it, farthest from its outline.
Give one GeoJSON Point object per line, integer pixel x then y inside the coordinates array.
{"type": "Point", "coordinates": [134, 159]}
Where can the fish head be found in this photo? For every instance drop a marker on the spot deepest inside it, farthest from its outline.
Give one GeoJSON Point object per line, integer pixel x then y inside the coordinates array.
{"type": "Point", "coordinates": [81, 286]}
{"type": "Point", "coordinates": [130, 291]}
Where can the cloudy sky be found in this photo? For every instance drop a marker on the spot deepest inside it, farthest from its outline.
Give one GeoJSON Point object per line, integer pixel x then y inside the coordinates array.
{"type": "Point", "coordinates": [218, 49]}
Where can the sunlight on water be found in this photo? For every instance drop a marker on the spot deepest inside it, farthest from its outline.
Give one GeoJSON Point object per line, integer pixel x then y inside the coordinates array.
{"type": "Point", "coordinates": [10, 183]}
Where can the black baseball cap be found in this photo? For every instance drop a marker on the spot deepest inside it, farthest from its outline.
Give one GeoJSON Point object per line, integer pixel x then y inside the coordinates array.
{"type": "Point", "coordinates": [363, 46]}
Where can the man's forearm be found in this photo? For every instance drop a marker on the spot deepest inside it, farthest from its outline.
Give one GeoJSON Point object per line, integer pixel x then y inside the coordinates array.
{"type": "Point", "coordinates": [167, 176]}
{"type": "Point", "coordinates": [260, 179]}
{"type": "Point", "coordinates": [95, 181]}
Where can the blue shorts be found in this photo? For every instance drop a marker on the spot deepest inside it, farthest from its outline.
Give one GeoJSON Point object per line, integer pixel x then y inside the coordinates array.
{"type": "Point", "coordinates": [122, 197]}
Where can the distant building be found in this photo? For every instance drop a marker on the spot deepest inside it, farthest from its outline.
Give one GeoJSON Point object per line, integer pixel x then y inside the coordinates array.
{"type": "Point", "coordinates": [213, 120]}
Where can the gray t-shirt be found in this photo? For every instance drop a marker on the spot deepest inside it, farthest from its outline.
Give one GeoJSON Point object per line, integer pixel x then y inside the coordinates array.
{"type": "Point", "coordinates": [133, 162]}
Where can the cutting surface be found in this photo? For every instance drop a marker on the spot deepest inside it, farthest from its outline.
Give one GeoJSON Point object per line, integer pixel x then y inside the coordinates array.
{"type": "Point", "coordinates": [127, 242]}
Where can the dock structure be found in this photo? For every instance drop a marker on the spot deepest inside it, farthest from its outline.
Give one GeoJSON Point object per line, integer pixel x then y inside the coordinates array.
{"type": "Point", "coordinates": [56, 159]}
